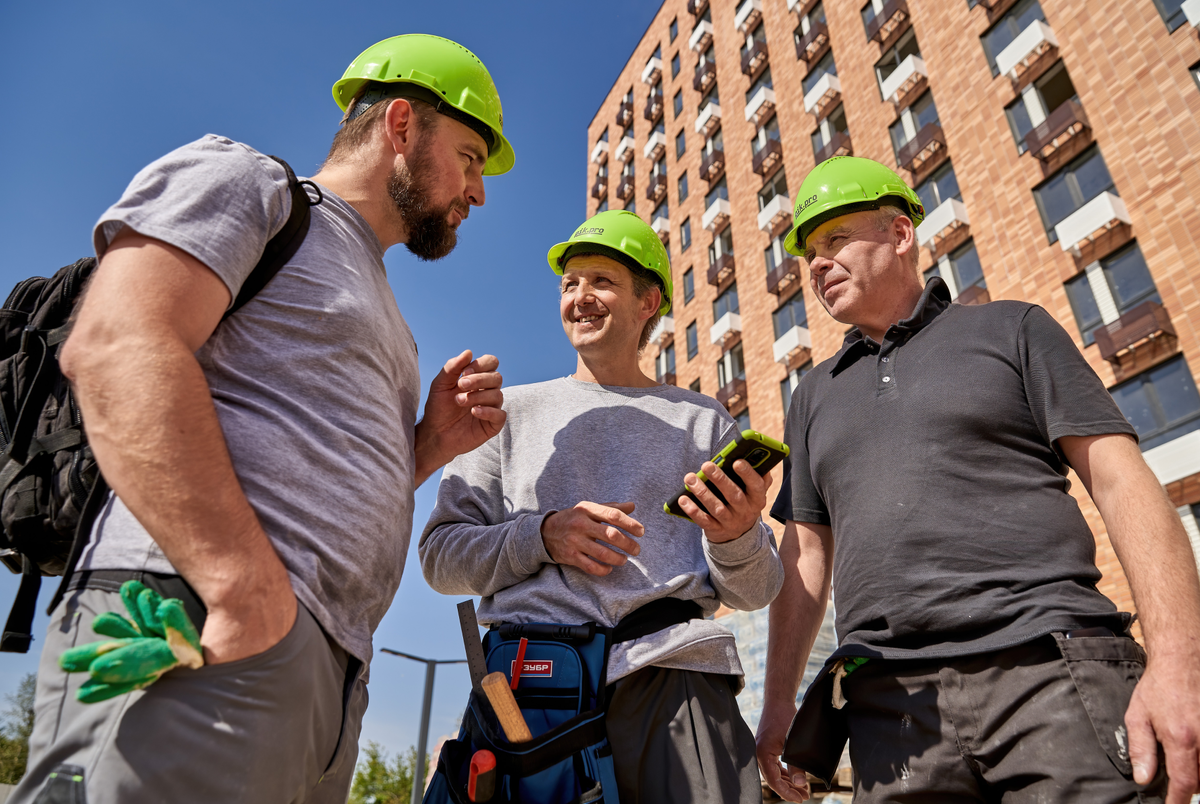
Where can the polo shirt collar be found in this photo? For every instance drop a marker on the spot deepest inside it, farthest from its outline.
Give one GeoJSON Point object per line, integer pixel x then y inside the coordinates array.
{"type": "Point", "coordinates": [935, 298]}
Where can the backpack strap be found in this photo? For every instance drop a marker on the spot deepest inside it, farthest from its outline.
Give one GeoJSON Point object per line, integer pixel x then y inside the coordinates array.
{"type": "Point", "coordinates": [18, 630]}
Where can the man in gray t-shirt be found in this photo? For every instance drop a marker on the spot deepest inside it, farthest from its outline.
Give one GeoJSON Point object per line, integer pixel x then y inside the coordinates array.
{"type": "Point", "coordinates": [559, 519]}
{"type": "Point", "coordinates": [263, 466]}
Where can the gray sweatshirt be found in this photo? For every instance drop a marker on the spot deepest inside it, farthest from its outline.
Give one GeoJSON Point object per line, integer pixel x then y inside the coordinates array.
{"type": "Point", "coordinates": [568, 441]}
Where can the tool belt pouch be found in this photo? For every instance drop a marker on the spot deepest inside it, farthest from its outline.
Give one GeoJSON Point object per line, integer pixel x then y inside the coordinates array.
{"type": "Point", "coordinates": [561, 693]}
{"type": "Point", "coordinates": [819, 732]}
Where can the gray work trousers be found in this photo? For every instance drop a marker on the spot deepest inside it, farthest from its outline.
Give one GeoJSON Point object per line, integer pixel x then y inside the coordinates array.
{"type": "Point", "coordinates": [1040, 722]}
{"type": "Point", "coordinates": [277, 728]}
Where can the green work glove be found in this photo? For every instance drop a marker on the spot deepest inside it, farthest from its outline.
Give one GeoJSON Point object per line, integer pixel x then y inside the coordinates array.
{"type": "Point", "coordinates": [156, 637]}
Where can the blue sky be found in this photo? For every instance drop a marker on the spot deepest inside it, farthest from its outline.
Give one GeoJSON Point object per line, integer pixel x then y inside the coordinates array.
{"type": "Point", "coordinates": [96, 91]}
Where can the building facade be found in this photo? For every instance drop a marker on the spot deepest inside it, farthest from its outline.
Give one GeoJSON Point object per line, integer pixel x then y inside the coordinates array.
{"type": "Point", "coordinates": [1054, 143]}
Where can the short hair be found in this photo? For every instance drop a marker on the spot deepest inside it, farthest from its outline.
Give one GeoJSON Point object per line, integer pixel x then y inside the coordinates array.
{"type": "Point", "coordinates": [884, 216]}
{"type": "Point", "coordinates": [356, 132]}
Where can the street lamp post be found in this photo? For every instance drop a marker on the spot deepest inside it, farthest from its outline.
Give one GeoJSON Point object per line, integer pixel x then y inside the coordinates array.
{"type": "Point", "coordinates": [418, 789]}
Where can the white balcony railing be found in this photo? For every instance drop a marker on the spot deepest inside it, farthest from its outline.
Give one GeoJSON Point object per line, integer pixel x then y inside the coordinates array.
{"type": "Point", "coordinates": [749, 12]}
{"type": "Point", "coordinates": [664, 327]}
{"type": "Point", "coordinates": [710, 113]}
{"type": "Point", "coordinates": [726, 326]}
{"type": "Point", "coordinates": [652, 70]}
{"type": "Point", "coordinates": [760, 101]}
{"type": "Point", "coordinates": [775, 210]}
{"type": "Point", "coordinates": [949, 215]}
{"type": "Point", "coordinates": [661, 227]}
{"type": "Point", "coordinates": [1175, 459]}
{"type": "Point", "coordinates": [1090, 221]}
{"type": "Point", "coordinates": [1191, 10]}
{"type": "Point", "coordinates": [826, 86]}
{"type": "Point", "coordinates": [657, 140]}
{"type": "Point", "coordinates": [1030, 43]}
{"type": "Point", "coordinates": [717, 213]}
{"type": "Point", "coordinates": [624, 150]}
{"type": "Point", "coordinates": [790, 342]}
{"type": "Point", "coordinates": [600, 152]}
{"type": "Point", "coordinates": [791, 5]}
{"type": "Point", "coordinates": [904, 77]}
{"type": "Point", "coordinates": [701, 36]}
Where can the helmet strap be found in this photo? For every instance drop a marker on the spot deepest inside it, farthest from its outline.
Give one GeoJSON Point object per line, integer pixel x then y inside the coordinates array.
{"type": "Point", "coordinates": [378, 91]}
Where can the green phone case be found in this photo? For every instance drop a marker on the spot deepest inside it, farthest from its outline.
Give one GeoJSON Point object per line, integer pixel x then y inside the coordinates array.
{"type": "Point", "coordinates": [743, 446]}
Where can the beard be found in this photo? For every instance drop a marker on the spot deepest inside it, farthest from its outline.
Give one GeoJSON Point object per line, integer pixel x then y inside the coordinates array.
{"type": "Point", "coordinates": [430, 235]}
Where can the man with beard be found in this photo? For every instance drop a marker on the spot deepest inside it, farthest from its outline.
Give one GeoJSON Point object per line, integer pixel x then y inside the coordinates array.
{"type": "Point", "coordinates": [263, 466]}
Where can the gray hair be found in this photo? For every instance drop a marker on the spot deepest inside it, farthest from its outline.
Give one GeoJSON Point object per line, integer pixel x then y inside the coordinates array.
{"type": "Point", "coordinates": [884, 216]}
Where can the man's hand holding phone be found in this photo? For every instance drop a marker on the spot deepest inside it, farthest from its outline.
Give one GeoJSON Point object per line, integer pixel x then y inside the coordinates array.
{"type": "Point", "coordinates": [583, 536]}
{"type": "Point", "coordinates": [741, 509]}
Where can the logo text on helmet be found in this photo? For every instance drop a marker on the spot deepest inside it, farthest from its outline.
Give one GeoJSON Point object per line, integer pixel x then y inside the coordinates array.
{"type": "Point", "coordinates": [588, 230]}
{"type": "Point", "coordinates": [804, 206]}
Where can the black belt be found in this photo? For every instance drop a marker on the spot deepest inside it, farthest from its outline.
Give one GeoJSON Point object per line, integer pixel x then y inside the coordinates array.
{"type": "Point", "coordinates": [166, 585]}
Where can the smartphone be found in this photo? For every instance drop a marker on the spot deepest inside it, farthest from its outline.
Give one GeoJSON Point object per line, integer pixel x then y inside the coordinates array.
{"type": "Point", "coordinates": [760, 451]}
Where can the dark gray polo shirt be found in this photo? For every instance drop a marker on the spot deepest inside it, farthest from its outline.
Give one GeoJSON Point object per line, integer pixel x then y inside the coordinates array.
{"type": "Point", "coordinates": [933, 457]}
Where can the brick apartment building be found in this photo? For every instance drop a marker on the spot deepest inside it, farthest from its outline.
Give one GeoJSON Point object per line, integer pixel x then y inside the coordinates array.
{"type": "Point", "coordinates": [1054, 143]}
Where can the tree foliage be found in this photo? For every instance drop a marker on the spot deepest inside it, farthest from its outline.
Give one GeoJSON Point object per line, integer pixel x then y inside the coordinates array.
{"type": "Point", "coordinates": [380, 780]}
{"type": "Point", "coordinates": [15, 730]}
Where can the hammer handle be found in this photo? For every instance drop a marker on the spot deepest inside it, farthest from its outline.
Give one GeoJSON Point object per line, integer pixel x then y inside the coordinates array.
{"type": "Point", "coordinates": [499, 694]}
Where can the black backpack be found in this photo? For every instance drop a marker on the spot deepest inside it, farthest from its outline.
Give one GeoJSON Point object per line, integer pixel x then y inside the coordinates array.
{"type": "Point", "coordinates": [50, 485]}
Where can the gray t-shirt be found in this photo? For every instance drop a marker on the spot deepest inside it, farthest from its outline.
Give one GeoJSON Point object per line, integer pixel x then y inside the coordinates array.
{"type": "Point", "coordinates": [566, 441]}
{"type": "Point", "coordinates": [315, 382]}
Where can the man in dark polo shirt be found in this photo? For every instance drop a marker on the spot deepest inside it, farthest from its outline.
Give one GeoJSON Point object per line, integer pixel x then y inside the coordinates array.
{"type": "Point", "coordinates": [977, 660]}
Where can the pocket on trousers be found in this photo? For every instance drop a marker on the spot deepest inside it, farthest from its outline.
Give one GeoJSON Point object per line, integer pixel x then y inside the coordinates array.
{"type": "Point", "coordinates": [64, 785]}
{"type": "Point", "coordinates": [280, 651]}
{"type": "Point", "coordinates": [1105, 671]}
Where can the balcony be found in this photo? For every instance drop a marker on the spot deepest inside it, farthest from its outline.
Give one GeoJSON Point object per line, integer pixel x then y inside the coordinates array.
{"type": "Point", "coordinates": [728, 327]}
{"type": "Point", "coordinates": [625, 149]}
{"type": "Point", "coordinates": [1090, 221]}
{"type": "Point", "coordinates": [662, 228]}
{"type": "Point", "coordinates": [801, 7]}
{"type": "Point", "coordinates": [701, 35]}
{"type": "Point", "coordinates": [600, 152]}
{"type": "Point", "coordinates": [733, 394]}
{"type": "Point", "coordinates": [784, 275]}
{"type": "Point", "coordinates": [792, 345]}
{"type": "Point", "coordinates": [706, 74]}
{"type": "Point", "coordinates": [1064, 124]}
{"type": "Point", "coordinates": [655, 147]}
{"type": "Point", "coordinates": [654, 107]}
{"type": "Point", "coordinates": [1025, 49]}
{"type": "Point", "coordinates": [755, 57]}
{"type": "Point", "coordinates": [760, 107]}
{"type": "Point", "coordinates": [823, 94]}
{"type": "Point", "coordinates": [625, 188]}
{"type": "Point", "coordinates": [712, 165]}
{"type": "Point", "coordinates": [652, 71]}
{"type": "Point", "coordinates": [776, 211]}
{"type": "Point", "coordinates": [839, 145]}
{"type": "Point", "coordinates": [887, 22]}
{"type": "Point", "coordinates": [1146, 321]}
{"type": "Point", "coordinates": [663, 332]}
{"type": "Point", "coordinates": [903, 78]}
{"type": "Point", "coordinates": [696, 7]}
{"type": "Point", "coordinates": [938, 224]}
{"type": "Point", "coordinates": [921, 148]}
{"type": "Point", "coordinates": [717, 215]}
{"type": "Point", "coordinates": [709, 119]}
{"type": "Point", "coordinates": [812, 43]}
{"type": "Point", "coordinates": [767, 158]}
{"type": "Point", "coordinates": [722, 270]}
{"type": "Point", "coordinates": [974, 295]}
{"type": "Point", "coordinates": [747, 16]}
{"type": "Point", "coordinates": [600, 188]}
{"type": "Point", "coordinates": [1191, 10]}
{"type": "Point", "coordinates": [625, 114]}
{"type": "Point", "coordinates": [657, 189]}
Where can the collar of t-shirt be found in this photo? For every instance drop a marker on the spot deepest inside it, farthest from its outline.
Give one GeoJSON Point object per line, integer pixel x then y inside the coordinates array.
{"type": "Point", "coordinates": [935, 298]}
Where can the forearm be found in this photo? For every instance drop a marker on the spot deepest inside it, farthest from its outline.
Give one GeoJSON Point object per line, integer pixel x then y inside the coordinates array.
{"type": "Point", "coordinates": [798, 611]}
{"type": "Point", "coordinates": [459, 558]}
{"type": "Point", "coordinates": [745, 572]}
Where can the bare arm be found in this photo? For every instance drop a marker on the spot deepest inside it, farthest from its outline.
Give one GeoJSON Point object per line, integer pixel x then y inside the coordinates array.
{"type": "Point", "coordinates": [1154, 551]}
{"type": "Point", "coordinates": [154, 428]}
{"type": "Point", "coordinates": [795, 620]}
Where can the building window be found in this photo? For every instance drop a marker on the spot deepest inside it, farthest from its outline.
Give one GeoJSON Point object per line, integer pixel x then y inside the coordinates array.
{"type": "Point", "coordinates": [776, 186]}
{"type": "Point", "coordinates": [727, 302]}
{"type": "Point", "coordinates": [603, 206]}
{"type": "Point", "coordinates": [1007, 28]}
{"type": "Point", "coordinates": [677, 105]}
{"type": "Point", "coordinates": [897, 53]}
{"type": "Point", "coordinates": [868, 16]}
{"type": "Point", "coordinates": [763, 80]}
{"type": "Point", "coordinates": [1172, 13]}
{"type": "Point", "coordinates": [685, 235]}
{"type": "Point", "coordinates": [817, 71]}
{"type": "Point", "coordinates": [743, 420]}
{"type": "Point", "coordinates": [689, 285]}
{"type": "Point", "coordinates": [790, 314]}
{"type": "Point", "coordinates": [759, 35]}
{"type": "Point", "coordinates": [693, 341]}
{"type": "Point", "coordinates": [764, 135]}
{"type": "Point", "coordinates": [665, 363]}
{"type": "Point", "coordinates": [787, 386]}
{"type": "Point", "coordinates": [1162, 404]}
{"type": "Point", "coordinates": [718, 190]}
{"type": "Point", "coordinates": [1127, 279]}
{"type": "Point", "coordinates": [660, 211]}
{"type": "Point", "coordinates": [695, 386]}
{"type": "Point", "coordinates": [1051, 90]}
{"type": "Point", "coordinates": [939, 188]}
{"type": "Point", "coordinates": [682, 187]}
{"type": "Point", "coordinates": [1195, 71]}
{"type": "Point", "coordinates": [806, 23]}
{"type": "Point", "coordinates": [963, 266]}
{"type": "Point", "coordinates": [721, 245]}
{"type": "Point", "coordinates": [680, 144]}
{"type": "Point", "coordinates": [833, 124]}
{"type": "Point", "coordinates": [773, 254]}
{"type": "Point", "coordinates": [912, 120]}
{"type": "Point", "coordinates": [731, 367]}
{"type": "Point", "coordinates": [1066, 191]}
{"type": "Point", "coordinates": [674, 29]}
{"type": "Point", "coordinates": [712, 96]}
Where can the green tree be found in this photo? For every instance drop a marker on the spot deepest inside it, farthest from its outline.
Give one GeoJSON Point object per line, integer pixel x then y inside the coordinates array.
{"type": "Point", "coordinates": [378, 780]}
{"type": "Point", "coordinates": [15, 730]}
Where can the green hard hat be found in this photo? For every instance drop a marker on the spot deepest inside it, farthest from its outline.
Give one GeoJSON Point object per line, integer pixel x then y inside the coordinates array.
{"type": "Point", "coordinates": [844, 184]}
{"type": "Point", "coordinates": [442, 73]}
{"type": "Point", "coordinates": [620, 235]}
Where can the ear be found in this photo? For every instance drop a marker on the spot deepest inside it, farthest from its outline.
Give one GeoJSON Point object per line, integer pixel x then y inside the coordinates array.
{"type": "Point", "coordinates": [650, 303]}
{"type": "Point", "coordinates": [400, 125]}
{"type": "Point", "coordinates": [904, 233]}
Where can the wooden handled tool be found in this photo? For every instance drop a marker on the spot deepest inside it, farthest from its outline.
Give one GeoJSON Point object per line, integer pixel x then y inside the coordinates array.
{"type": "Point", "coordinates": [499, 694]}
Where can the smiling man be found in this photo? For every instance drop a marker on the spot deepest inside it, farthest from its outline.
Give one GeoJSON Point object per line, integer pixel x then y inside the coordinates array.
{"type": "Point", "coordinates": [560, 520]}
{"type": "Point", "coordinates": [263, 465]}
{"type": "Point", "coordinates": [928, 476]}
